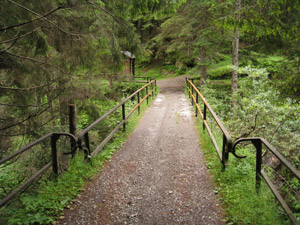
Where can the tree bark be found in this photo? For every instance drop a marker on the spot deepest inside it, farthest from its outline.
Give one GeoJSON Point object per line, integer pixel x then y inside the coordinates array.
{"type": "Point", "coordinates": [222, 15]}
{"type": "Point", "coordinates": [235, 50]}
{"type": "Point", "coordinates": [203, 67]}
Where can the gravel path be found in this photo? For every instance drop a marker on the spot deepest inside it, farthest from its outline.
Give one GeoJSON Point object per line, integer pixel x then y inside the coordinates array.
{"type": "Point", "coordinates": [159, 175]}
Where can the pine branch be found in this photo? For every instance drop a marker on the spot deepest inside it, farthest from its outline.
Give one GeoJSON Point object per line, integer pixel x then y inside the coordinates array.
{"type": "Point", "coordinates": [43, 17]}
{"type": "Point", "coordinates": [107, 12]}
{"type": "Point", "coordinates": [29, 88]}
{"type": "Point", "coordinates": [32, 115]}
{"type": "Point", "coordinates": [22, 106]}
{"type": "Point", "coordinates": [21, 36]}
{"type": "Point", "coordinates": [5, 50]}
{"type": "Point", "coordinates": [34, 60]}
{"type": "Point", "coordinates": [30, 131]}
{"type": "Point", "coordinates": [26, 119]}
{"type": "Point", "coordinates": [29, 21]}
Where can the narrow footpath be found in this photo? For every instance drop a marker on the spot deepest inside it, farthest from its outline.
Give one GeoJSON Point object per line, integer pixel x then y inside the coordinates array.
{"type": "Point", "coordinates": [159, 176]}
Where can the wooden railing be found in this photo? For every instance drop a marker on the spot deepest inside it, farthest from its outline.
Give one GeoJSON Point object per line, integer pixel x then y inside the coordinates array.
{"type": "Point", "coordinates": [149, 90]}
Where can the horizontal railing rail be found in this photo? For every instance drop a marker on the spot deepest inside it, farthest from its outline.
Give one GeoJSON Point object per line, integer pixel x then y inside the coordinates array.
{"type": "Point", "coordinates": [228, 147]}
{"type": "Point", "coordinates": [227, 141]}
{"type": "Point", "coordinates": [137, 79]}
{"type": "Point", "coordinates": [84, 135]}
{"type": "Point", "coordinates": [54, 163]}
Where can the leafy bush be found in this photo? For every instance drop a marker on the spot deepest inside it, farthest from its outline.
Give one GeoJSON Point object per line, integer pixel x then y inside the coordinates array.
{"type": "Point", "coordinates": [262, 111]}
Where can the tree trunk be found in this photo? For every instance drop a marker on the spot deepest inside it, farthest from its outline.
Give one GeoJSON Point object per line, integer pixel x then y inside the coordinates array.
{"type": "Point", "coordinates": [203, 48]}
{"type": "Point", "coordinates": [299, 64]}
{"type": "Point", "coordinates": [203, 67]}
{"type": "Point", "coordinates": [235, 51]}
{"type": "Point", "coordinates": [222, 15]}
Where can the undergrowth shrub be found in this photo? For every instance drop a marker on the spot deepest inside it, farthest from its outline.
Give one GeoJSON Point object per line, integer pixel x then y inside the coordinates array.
{"type": "Point", "coordinates": [44, 202]}
{"type": "Point", "coordinates": [263, 112]}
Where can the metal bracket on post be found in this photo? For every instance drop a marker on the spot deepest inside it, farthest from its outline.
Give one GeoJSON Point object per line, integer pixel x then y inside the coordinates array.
{"type": "Point", "coordinates": [258, 146]}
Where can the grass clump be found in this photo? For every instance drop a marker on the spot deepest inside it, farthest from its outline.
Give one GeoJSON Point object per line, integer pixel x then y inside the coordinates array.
{"type": "Point", "coordinates": [158, 72]}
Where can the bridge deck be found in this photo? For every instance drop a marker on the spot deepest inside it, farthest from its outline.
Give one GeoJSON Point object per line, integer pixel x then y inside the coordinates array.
{"type": "Point", "coordinates": [158, 176]}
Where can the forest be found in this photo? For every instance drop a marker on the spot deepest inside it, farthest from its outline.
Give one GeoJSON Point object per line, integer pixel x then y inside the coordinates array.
{"type": "Point", "coordinates": [245, 53]}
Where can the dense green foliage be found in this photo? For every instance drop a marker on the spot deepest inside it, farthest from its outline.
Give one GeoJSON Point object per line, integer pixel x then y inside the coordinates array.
{"type": "Point", "coordinates": [260, 112]}
{"type": "Point", "coordinates": [44, 203]}
{"type": "Point", "coordinates": [53, 53]}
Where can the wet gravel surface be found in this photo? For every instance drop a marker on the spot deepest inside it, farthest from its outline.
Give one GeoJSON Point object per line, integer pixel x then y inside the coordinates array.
{"type": "Point", "coordinates": [159, 175]}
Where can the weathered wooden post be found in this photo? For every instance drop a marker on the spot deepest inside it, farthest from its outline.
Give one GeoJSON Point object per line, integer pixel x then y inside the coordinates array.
{"type": "Point", "coordinates": [54, 139]}
{"type": "Point", "coordinates": [124, 116]}
{"type": "Point", "coordinates": [138, 98]}
{"type": "Point", "coordinates": [147, 94]}
{"type": "Point", "coordinates": [133, 67]}
{"type": "Point", "coordinates": [197, 101]}
{"type": "Point", "coordinates": [204, 116]}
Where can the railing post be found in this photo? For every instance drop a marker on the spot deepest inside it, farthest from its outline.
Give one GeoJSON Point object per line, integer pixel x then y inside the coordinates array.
{"type": "Point", "coordinates": [192, 95]}
{"type": "Point", "coordinates": [124, 116]}
{"type": "Point", "coordinates": [189, 89]}
{"type": "Point", "coordinates": [155, 86]}
{"type": "Point", "coordinates": [197, 100]}
{"type": "Point", "coordinates": [204, 116]}
{"type": "Point", "coordinates": [258, 145]}
{"type": "Point", "coordinates": [152, 88]}
{"type": "Point", "coordinates": [225, 153]}
{"type": "Point", "coordinates": [87, 144]}
{"type": "Point", "coordinates": [133, 67]}
{"type": "Point", "coordinates": [72, 125]}
{"type": "Point", "coordinates": [147, 94]}
{"type": "Point", "coordinates": [54, 139]}
{"type": "Point", "coordinates": [138, 98]}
